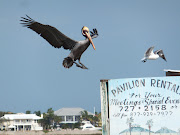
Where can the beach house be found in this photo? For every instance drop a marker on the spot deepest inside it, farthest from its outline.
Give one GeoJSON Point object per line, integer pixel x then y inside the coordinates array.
{"type": "Point", "coordinates": [70, 115]}
{"type": "Point", "coordinates": [20, 122]}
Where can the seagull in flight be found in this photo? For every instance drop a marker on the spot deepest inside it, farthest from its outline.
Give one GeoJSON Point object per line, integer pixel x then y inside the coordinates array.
{"type": "Point", "coordinates": [150, 55]}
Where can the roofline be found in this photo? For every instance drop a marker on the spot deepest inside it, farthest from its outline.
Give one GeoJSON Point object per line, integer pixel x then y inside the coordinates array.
{"type": "Point", "coordinates": [170, 70]}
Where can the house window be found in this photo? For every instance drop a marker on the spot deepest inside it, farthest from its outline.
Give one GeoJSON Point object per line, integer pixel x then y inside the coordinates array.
{"type": "Point", "coordinates": [28, 121]}
{"type": "Point", "coordinates": [77, 118]}
{"type": "Point", "coordinates": [35, 121]}
{"type": "Point", "coordinates": [69, 118]}
{"type": "Point", "coordinates": [17, 121]}
{"type": "Point", "coordinates": [23, 121]}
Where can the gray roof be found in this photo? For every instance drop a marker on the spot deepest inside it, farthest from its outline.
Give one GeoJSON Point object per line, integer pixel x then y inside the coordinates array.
{"type": "Point", "coordinates": [70, 112]}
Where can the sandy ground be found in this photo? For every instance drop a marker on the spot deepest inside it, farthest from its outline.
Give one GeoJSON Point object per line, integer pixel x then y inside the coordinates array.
{"type": "Point", "coordinates": [63, 132]}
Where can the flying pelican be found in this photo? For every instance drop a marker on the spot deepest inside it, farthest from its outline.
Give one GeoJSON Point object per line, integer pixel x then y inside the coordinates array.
{"type": "Point", "coordinates": [58, 40]}
{"type": "Point", "coordinates": [150, 55]}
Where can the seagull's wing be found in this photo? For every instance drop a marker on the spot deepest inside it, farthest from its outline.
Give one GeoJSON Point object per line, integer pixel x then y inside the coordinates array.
{"type": "Point", "coordinates": [158, 51]}
{"type": "Point", "coordinates": [49, 33]}
{"type": "Point", "coordinates": [161, 54]}
{"type": "Point", "coordinates": [149, 51]}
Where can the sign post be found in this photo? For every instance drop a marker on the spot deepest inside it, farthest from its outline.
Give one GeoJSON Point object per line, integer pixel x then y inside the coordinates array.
{"type": "Point", "coordinates": [104, 107]}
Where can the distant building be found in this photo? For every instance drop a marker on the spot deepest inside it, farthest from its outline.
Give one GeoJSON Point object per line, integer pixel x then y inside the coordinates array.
{"type": "Point", "coordinates": [70, 115]}
{"type": "Point", "coordinates": [21, 122]}
{"type": "Point", "coordinates": [170, 72]}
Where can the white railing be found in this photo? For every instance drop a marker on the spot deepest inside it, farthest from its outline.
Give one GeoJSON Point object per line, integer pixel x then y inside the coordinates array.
{"type": "Point", "coordinates": [22, 122]}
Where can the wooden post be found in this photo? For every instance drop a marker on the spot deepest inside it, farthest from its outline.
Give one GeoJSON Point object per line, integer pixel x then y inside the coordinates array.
{"type": "Point", "coordinates": [104, 107]}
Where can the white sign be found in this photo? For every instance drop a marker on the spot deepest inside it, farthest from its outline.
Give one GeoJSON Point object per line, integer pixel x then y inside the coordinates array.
{"type": "Point", "coordinates": [144, 105]}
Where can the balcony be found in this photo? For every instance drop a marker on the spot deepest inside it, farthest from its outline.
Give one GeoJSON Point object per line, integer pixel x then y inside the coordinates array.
{"type": "Point", "coordinates": [70, 119]}
{"type": "Point", "coordinates": [23, 122]}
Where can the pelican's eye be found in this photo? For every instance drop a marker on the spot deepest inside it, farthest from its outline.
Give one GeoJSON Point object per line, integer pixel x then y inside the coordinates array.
{"type": "Point", "coordinates": [85, 30]}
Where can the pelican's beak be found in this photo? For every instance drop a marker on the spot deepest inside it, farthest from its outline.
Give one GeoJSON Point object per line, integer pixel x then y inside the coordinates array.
{"type": "Point", "coordinates": [90, 39]}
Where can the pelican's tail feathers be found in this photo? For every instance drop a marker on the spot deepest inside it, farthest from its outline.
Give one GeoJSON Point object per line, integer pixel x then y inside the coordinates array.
{"type": "Point", "coordinates": [67, 62]}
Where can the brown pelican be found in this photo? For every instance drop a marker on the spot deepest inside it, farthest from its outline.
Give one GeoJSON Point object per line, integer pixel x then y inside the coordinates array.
{"type": "Point", "coordinates": [58, 40]}
{"type": "Point", "coordinates": [150, 55]}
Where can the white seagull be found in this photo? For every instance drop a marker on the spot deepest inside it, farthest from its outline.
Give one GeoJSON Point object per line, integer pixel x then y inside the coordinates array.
{"type": "Point", "coordinates": [150, 55]}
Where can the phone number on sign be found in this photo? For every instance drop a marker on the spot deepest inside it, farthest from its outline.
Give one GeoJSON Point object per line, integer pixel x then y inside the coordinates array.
{"type": "Point", "coordinates": [143, 108]}
{"type": "Point", "coordinates": [136, 114]}
{"type": "Point", "coordinates": [162, 113]}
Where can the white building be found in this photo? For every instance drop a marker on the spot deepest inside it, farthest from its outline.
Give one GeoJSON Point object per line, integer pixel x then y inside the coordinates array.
{"type": "Point", "coordinates": [70, 115]}
{"type": "Point", "coordinates": [21, 122]}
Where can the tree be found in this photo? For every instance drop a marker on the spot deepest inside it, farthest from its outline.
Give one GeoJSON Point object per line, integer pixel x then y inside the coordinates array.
{"type": "Point", "coordinates": [150, 124]}
{"type": "Point", "coordinates": [45, 121]}
{"type": "Point", "coordinates": [2, 113]}
{"type": "Point", "coordinates": [84, 115]}
{"type": "Point", "coordinates": [28, 112]}
{"type": "Point", "coordinates": [98, 119]}
{"type": "Point", "coordinates": [57, 120]}
{"type": "Point", "coordinates": [38, 113]}
{"type": "Point", "coordinates": [129, 122]}
{"type": "Point", "coordinates": [93, 119]}
{"type": "Point", "coordinates": [49, 119]}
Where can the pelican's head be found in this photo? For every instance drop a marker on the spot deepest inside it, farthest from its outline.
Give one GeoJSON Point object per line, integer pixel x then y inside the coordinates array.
{"type": "Point", "coordinates": [85, 32]}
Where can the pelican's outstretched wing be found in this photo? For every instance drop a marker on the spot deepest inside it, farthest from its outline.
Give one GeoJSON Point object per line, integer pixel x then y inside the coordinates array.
{"type": "Point", "coordinates": [49, 33]}
{"type": "Point", "coordinates": [149, 51]}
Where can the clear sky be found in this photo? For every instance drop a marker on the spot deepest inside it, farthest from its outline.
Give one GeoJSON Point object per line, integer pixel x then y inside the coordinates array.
{"type": "Point", "coordinates": [31, 73]}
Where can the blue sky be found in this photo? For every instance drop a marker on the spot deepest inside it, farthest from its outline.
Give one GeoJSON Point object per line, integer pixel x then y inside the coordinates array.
{"type": "Point", "coordinates": [31, 73]}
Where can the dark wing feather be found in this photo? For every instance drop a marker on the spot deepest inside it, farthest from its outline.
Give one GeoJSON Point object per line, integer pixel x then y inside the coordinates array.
{"type": "Point", "coordinates": [156, 52]}
{"type": "Point", "coordinates": [49, 33]}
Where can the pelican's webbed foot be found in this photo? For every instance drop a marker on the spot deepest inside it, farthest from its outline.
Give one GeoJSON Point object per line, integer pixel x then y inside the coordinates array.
{"type": "Point", "coordinates": [84, 67]}
{"type": "Point", "coordinates": [81, 66]}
